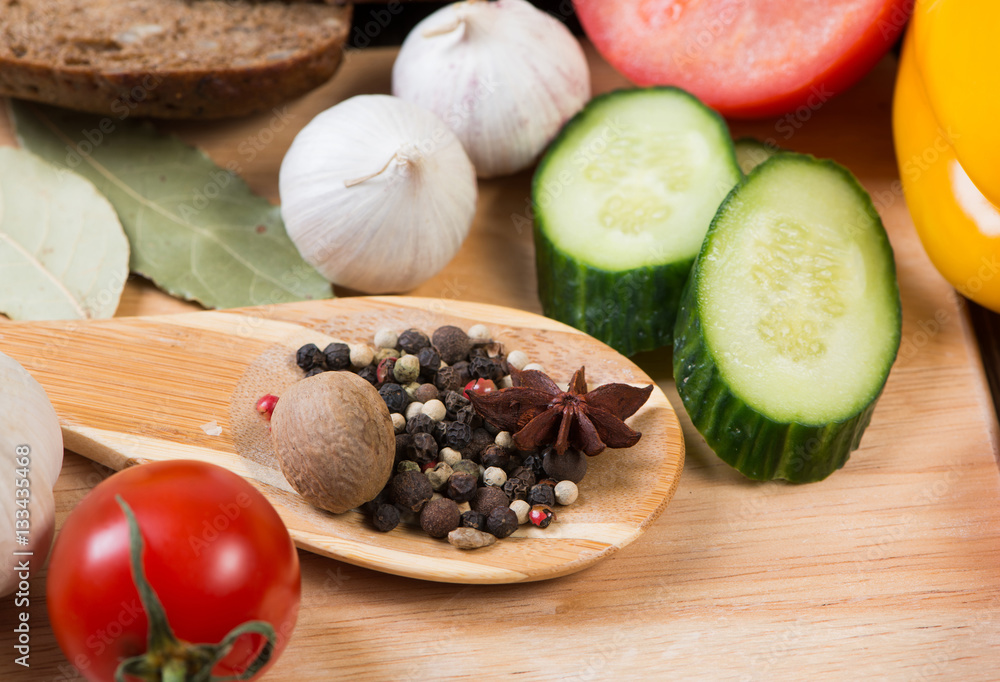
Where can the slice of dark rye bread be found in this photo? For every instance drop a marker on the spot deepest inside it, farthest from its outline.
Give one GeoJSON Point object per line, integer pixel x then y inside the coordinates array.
{"type": "Point", "coordinates": [168, 58]}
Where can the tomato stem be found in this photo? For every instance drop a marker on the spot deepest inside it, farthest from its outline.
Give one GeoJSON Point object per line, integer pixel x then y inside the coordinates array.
{"type": "Point", "coordinates": [168, 659]}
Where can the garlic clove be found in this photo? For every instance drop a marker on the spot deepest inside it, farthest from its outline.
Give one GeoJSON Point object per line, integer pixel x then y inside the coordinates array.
{"type": "Point", "coordinates": [377, 194]}
{"type": "Point", "coordinates": [504, 76]}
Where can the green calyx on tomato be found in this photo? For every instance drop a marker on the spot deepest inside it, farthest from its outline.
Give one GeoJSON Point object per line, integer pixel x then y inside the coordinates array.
{"type": "Point", "coordinates": [167, 658]}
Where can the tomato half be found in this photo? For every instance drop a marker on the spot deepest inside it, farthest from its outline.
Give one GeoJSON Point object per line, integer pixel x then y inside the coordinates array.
{"type": "Point", "coordinates": [958, 226]}
{"type": "Point", "coordinates": [216, 553]}
{"type": "Point", "coordinates": [745, 58]}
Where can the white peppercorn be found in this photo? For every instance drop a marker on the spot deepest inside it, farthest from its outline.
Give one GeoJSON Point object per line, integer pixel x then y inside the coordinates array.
{"type": "Point", "coordinates": [536, 366]}
{"type": "Point", "coordinates": [386, 338]}
{"type": "Point", "coordinates": [435, 409]}
{"type": "Point", "coordinates": [518, 359]}
{"type": "Point", "coordinates": [566, 492]}
{"type": "Point", "coordinates": [361, 354]}
{"type": "Point", "coordinates": [406, 369]}
{"type": "Point", "coordinates": [412, 410]}
{"type": "Point", "coordinates": [521, 508]}
{"type": "Point", "coordinates": [479, 333]}
{"type": "Point", "coordinates": [449, 456]}
{"type": "Point", "coordinates": [504, 440]}
{"type": "Point", "coordinates": [494, 476]}
{"type": "Point", "coordinates": [398, 422]}
{"type": "Point", "coordinates": [505, 381]}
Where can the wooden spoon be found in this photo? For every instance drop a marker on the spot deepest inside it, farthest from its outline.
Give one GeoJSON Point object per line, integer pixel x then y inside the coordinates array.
{"type": "Point", "coordinates": [134, 390]}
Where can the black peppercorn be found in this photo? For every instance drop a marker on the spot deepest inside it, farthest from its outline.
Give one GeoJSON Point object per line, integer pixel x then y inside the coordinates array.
{"type": "Point", "coordinates": [501, 522]}
{"type": "Point", "coordinates": [309, 356]}
{"type": "Point", "coordinates": [481, 439]}
{"type": "Point", "coordinates": [411, 490]}
{"type": "Point", "coordinates": [457, 435]}
{"type": "Point", "coordinates": [463, 373]}
{"type": "Point", "coordinates": [384, 371]}
{"type": "Point", "coordinates": [413, 341]}
{"type": "Point", "coordinates": [525, 474]}
{"type": "Point", "coordinates": [420, 423]}
{"type": "Point", "coordinates": [424, 448]}
{"type": "Point", "coordinates": [448, 379]}
{"type": "Point", "coordinates": [488, 498]}
{"type": "Point", "coordinates": [369, 374]}
{"type": "Point", "coordinates": [495, 456]}
{"type": "Point", "coordinates": [485, 368]}
{"type": "Point", "coordinates": [473, 519]}
{"type": "Point", "coordinates": [453, 402]}
{"type": "Point", "coordinates": [534, 463]}
{"type": "Point", "coordinates": [466, 415]}
{"type": "Point", "coordinates": [541, 494]}
{"type": "Point", "coordinates": [461, 487]}
{"type": "Point", "coordinates": [452, 343]}
{"type": "Point", "coordinates": [337, 356]}
{"type": "Point", "coordinates": [395, 397]}
{"type": "Point", "coordinates": [314, 371]}
{"type": "Point", "coordinates": [403, 443]}
{"type": "Point", "coordinates": [440, 428]}
{"type": "Point", "coordinates": [440, 517]}
{"type": "Point", "coordinates": [569, 466]}
{"type": "Point", "coordinates": [385, 518]}
{"type": "Point", "coordinates": [429, 362]}
{"type": "Point", "coordinates": [515, 489]}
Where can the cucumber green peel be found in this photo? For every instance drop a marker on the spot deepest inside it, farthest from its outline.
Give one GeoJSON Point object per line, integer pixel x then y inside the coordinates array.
{"type": "Point", "coordinates": [790, 321]}
{"type": "Point", "coordinates": [622, 202]}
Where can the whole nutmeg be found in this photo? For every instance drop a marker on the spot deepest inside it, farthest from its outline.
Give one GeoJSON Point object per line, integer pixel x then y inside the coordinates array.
{"type": "Point", "coordinates": [440, 517]}
{"type": "Point", "coordinates": [411, 490]}
{"type": "Point", "coordinates": [569, 466]}
{"type": "Point", "coordinates": [488, 498]}
{"type": "Point", "coordinates": [452, 343]}
{"type": "Point", "coordinates": [334, 440]}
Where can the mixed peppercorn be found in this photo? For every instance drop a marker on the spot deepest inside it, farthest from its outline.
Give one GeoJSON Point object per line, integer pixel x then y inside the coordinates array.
{"type": "Point", "coordinates": [457, 474]}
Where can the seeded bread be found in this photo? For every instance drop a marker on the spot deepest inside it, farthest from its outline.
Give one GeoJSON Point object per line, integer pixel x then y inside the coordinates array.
{"type": "Point", "coordinates": [168, 58]}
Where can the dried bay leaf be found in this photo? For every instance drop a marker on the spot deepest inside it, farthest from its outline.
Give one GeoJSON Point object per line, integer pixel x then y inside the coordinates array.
{"type": "Point", "coordinates": [63, 254]}
{"type": "Point", "coordinates": [196, 230]}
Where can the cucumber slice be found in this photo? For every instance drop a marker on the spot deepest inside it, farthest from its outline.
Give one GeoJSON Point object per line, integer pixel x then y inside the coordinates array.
{"type": "Point", "coordinates": [622, 201]}
{"type": "Point", "coordinates": [790, 321]}
{"type": "Point", "coordinates": [751, 152]}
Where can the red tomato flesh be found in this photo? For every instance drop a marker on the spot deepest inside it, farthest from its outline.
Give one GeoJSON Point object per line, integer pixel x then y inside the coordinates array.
{"type": "Point", "coordinates": [745, 58]}
{"type": "Point", "coordinates": [216, 553]}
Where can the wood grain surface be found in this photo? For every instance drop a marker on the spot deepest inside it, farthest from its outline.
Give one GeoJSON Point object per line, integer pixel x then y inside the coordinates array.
{"type": "Point", "coordinates": [142, 389]}
{"type": "Point", "coordinates": [888, 570]}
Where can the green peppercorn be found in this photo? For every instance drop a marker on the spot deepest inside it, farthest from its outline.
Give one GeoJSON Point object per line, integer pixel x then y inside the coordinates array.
{"type": "Point", "coordinates": [406, 369]}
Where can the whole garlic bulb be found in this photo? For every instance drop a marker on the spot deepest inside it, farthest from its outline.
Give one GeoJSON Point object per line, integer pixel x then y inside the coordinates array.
{"type": "Point", "coordinates": [377, 194]}
{"type": "Point", "coordinates": [503, 75]}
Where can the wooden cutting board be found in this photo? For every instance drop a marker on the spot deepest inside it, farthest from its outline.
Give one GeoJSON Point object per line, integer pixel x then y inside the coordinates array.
{"type": "Point", "coordinates": [888, 570]}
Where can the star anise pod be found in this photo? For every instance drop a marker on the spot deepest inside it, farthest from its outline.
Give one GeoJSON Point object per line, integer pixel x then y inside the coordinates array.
{"type": "Point", "coordinates": [540, 414]}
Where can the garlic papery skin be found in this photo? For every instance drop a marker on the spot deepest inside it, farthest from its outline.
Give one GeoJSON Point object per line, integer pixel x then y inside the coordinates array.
{"type": "Point", "coordinates": [503, 75]}
{"type": "Point", "coordinates": [377, 194]}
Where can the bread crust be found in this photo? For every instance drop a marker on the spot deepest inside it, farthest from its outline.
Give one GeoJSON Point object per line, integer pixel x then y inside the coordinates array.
{"type": "Point", "coordinates": [188, 93]}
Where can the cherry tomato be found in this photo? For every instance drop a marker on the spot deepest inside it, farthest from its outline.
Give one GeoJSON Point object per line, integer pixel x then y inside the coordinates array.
{"type": "Point", "coordinates": [215, 551]}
